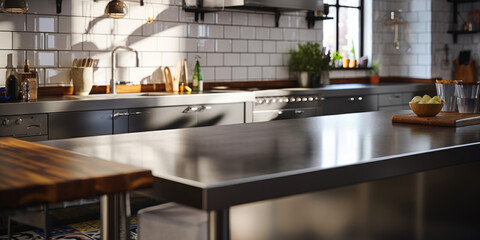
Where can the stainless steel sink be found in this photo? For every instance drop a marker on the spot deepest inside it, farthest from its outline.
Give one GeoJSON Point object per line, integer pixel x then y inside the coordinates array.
{"type": "Point", "coordinates": [103, 96]}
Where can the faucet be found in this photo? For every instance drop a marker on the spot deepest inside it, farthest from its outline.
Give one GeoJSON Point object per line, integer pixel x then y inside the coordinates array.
{"type": "Point", "coordinates": [113, 82]}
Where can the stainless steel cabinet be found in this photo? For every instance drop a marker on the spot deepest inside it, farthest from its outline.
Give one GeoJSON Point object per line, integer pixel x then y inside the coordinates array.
{"type": "Point", "coordinates": [159, 118]}
{"type": "Point", "coordinates": [350, 104]}
{"type": "Point", "coordinates": [79, 124]}
{"type": "Point", "coordinates": [32, 127]}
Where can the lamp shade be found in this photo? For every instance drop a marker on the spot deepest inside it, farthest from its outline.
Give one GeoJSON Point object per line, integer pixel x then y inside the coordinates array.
{"type": "Point", "coordinates": [116, 9]}
{"type": "Point", "coordinates": [14, 6]}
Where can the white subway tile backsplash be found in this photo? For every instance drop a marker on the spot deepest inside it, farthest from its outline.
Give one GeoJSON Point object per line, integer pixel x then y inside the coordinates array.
{"type": "Point", "coordinates": [247, 32]}
{"type": "Point", "coordinates": [308, 35]}
{"type": "Point", "coordinates": [262, 33]}
{"type": "Point", "coordinates": [223, 18]}
{"type": "Point", "coordinates": [151, 59]}
{"type": "Point", "coordinates": [65, 58]}
{"type": "Point", "coordinates": [255, 19]}
{"type": "Point", "coordinates": [232, 32]}
{"type": "Point", "coordinates": [247, 59]}
{"type": "Point", "coordinates": [144, 44]}
{"type": "Point", "coordinates": [6, 42]}
{"type": "Point", "coordinates": [187, 16]}
{"type": "Point", "coordinates": [254, 46]}
{"type": "Point", "coordinates": [102, 59]}
{"type": "Point", "coordinates": [269, 46]}
{"type": "Point", "coordinates": [15, 60]}
{"type": "Point", "coordinates": [206, 45]}
{"type": "Point", "coordinates": [174, 30]}
{"type": "Point", "coordinates": [254, 73]}
{"type": "Point", "coordinates": [276, 59]}
{"type": "Point", "coordinates": [239, 73]}
{"type": "Point", "coordinates": [101, 76]}
{"type": "Point", "coordinates": [269, 20]}
{"type": "Point", "coordinates": [188, 45]}
{"type": "Point", "coordinates": [153, 29]}
{"type": "Point", "coordinates": [240, 46]}
{"type": "Point", "coordinates": [268, 73]}
{"type": "Point", "coordinates": [239, 18]}
{"type": "Point", "coordinates": [283, 46]}
{"type": "Point", "coordinates": [291, 34]}
{"type": "Point", "coordinates": [281, 73]}
{"type": "Point", "coordinates": [208, 74]}
{"type": "Point", "coordinates": [276, 34]}
{"type": "Point", "coordinates": [232, 59]}
{"type": "Point", "coordinates": [29, 41]}
{"type": "Point", "coordinates": [167, 13]}
{"type": "Point", "coordinates": [57, 77]}
{"type": "Point", "coordinates": [170, 59]}
{"type": "Point", "coordinates": [262, 59]}
{"type": "Point", "coordinates": [58, 41]}
{"type": "Point", "coordinates": [209, 18]}
{"type": "Point", "coordinates": [215, 31]}
{"type": "Point", "coordinates": [223, 45]}
{"type": "Point", "coordinates": [215, 59]}
{"type": "Point", "coordinates": [42, 58]}
{"type": "Point", "coordinates": [13, 22]}
{"type": "Point", "coordinates": [42, 23]}
{"type": "Point", "coordinates": [168, 44]}
{"type": "Point", "coordinates": [128, 26]}
{"type": "Point", "coordinates": [74, 24]}
{"type": "Point", "coordinates": [93, 42]}
{"type": "Point", "coordinates": [126, 59]}
{"type": "Point", "coordinates": [223, 73]}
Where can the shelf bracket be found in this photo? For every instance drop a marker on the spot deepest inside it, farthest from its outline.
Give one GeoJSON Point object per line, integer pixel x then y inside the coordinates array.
{"type": "Point", "coordinates": [277, 18]}
{"type": "Point", "coordinates": [59, 6]}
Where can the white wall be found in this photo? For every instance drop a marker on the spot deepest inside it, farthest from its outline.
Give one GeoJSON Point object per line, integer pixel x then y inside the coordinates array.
{"type": "Point", "coordinates": [233, 45]}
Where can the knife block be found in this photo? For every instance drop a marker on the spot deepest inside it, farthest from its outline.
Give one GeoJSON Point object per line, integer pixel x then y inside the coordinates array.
{"type": "Point", "coordinates": [464, 72]}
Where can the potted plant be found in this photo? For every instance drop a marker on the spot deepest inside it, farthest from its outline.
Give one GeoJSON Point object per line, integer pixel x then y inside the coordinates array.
{"type": "Point", "coordinates": [374, 70]}
{"type": "Point", "coordinates": [312, 62]}
{"type": "Point", "coordinates": [353, 61]}
{"type": "Point", "coordinates": [337, 59]}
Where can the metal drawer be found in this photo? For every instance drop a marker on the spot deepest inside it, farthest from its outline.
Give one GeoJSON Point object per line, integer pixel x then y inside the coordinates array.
{"type": "Point", "coordinates": [23, 125]}
{"type": "Point", "coordinates": [389, 99]}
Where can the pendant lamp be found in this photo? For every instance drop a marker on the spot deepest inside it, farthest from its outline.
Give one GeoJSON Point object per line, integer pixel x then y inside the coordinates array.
{"type": "Point", "coordinates": [116, 9]}
{"type": "Point", "coordinates": [14, 6]}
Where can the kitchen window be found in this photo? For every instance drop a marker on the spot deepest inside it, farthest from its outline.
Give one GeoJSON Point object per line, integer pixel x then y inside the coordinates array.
{"type": "Point", "coordinates": [346, 28]}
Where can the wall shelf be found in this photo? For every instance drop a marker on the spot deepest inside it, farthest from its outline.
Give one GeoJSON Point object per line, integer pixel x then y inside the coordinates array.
{"type": "Point", "coordinates": [311, 19]}
{"type": "Point", "coordinates": [455, 33]}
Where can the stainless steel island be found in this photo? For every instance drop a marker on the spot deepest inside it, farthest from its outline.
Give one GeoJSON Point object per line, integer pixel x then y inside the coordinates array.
{"type": "Point", "coordinates": [215, 168]}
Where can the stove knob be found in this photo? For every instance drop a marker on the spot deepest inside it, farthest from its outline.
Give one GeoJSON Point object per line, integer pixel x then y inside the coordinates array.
{"type": "Point", "coordinates": [286, 99]}
{"type": "Point", "coordinates": [280, 100]}
{"type": "Point", "coordinates": [360, 98]}
{"type": "Point", "coordinates": [273, 100]}
{"type": "Point", "coordinates": [310, 99]}
{"type": "Point", "coordinates": [299, 99]}
{"type": "Point", "coordinates": [304, 99]}
{"type": "Point", "coordinates": [5, 122]}
{"type": "Point", "coordinates": [267, 100]}
{"type": "Point", "coordinates": [259, 101]}
{"type": "Point", "coordinates": [292, 99]}
{"type": "Point", "coordinates": [18, 121]}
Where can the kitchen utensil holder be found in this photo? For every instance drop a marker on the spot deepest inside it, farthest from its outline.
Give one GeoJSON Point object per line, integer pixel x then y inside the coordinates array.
{"type": "Point", "coordinates": [82, 78]}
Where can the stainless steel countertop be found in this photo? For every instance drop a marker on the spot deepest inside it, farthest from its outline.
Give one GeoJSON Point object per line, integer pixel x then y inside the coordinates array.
{"type": "Point", "coordinates": [220, 166]}
{"type": "Point", "coordinates": [162, 99]}
{"type": "Point", "coordinates": [121, 101]}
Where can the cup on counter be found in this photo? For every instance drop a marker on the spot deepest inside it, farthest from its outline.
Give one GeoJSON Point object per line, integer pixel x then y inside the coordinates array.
{"type": "Point", "coordinates": [467, 97]}
{"type": "Point", "coordinates": [446, 92]}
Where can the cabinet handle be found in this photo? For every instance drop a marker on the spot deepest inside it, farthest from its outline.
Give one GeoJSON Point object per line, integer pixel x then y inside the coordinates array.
{"type": "Point", "coordinates": [124, 114]}
{"type": "Point", "coordinates": [204, 108]}
{"type": "Point", "coordinates": [299, 111]}
{"type": "Point", "coordinates": [134, 113]}
{"type": "Point", "coordinates": [190, 109]}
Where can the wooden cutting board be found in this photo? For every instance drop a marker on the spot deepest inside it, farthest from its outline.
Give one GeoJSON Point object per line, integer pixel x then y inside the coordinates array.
{"type": "Point", "coordinates": [443, 119]}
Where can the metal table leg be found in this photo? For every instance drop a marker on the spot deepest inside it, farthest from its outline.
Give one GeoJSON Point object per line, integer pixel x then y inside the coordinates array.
{"type": "Point", "coordinates": [219, 224]}
{"type": "Point", "coordinates": [115, 213]}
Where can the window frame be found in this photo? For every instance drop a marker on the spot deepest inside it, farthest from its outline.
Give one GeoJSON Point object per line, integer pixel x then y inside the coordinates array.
{"type": "Point", "coordinates": [361, 8]}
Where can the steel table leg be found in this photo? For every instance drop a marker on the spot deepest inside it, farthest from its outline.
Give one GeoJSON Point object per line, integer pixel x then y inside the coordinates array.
{"type": "Point", "coordinates": [219, 224]}
{"type": "Point", "coordinates": [115, 210]}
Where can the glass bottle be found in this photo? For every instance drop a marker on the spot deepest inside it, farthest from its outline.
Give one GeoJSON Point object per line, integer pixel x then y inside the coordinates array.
{"type": "Point", "coordinates": [197, 78]}
{"type": "Point", "coordinates": [13, 87]}
{"type": "Point", "coordinates": [26, 66]}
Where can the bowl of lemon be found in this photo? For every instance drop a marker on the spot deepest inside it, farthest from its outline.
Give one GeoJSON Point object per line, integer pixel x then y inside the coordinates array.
{"type": "Point", "coordinates": [426, 106]}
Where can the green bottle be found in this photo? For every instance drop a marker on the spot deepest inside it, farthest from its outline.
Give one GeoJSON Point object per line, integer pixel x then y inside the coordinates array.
{"type": "Point", "coordinates": [197, 78]}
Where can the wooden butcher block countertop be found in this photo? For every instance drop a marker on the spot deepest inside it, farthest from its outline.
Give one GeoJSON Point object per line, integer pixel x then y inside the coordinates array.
{"type": "Point", "coordinates": [31, 173]}
{"type": "Point", "coordinates": [443, 119]}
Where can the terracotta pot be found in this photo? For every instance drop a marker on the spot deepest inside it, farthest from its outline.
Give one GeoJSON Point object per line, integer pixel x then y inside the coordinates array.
{"type": "Point", "coordinates": [374, 79]}
{"type": "Point", "coordinates": [345, 62]}
{"type": "Point", "coordinates": [353, 63]}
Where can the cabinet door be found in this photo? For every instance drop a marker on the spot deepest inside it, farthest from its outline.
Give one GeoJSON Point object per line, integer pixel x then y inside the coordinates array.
{"type": "Point", "coordinates": [221, 114]}
{"type": "Point", "coordinates": [79, 124]}
{"type": "Point", "coordinates": [150, 119]}
{"type": "Point", "coordinates": [351, 104]}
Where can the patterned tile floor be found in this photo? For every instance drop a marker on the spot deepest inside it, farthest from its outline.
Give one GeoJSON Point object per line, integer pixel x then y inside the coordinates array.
{"type": "Point", "coordinates": [89, 230]}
